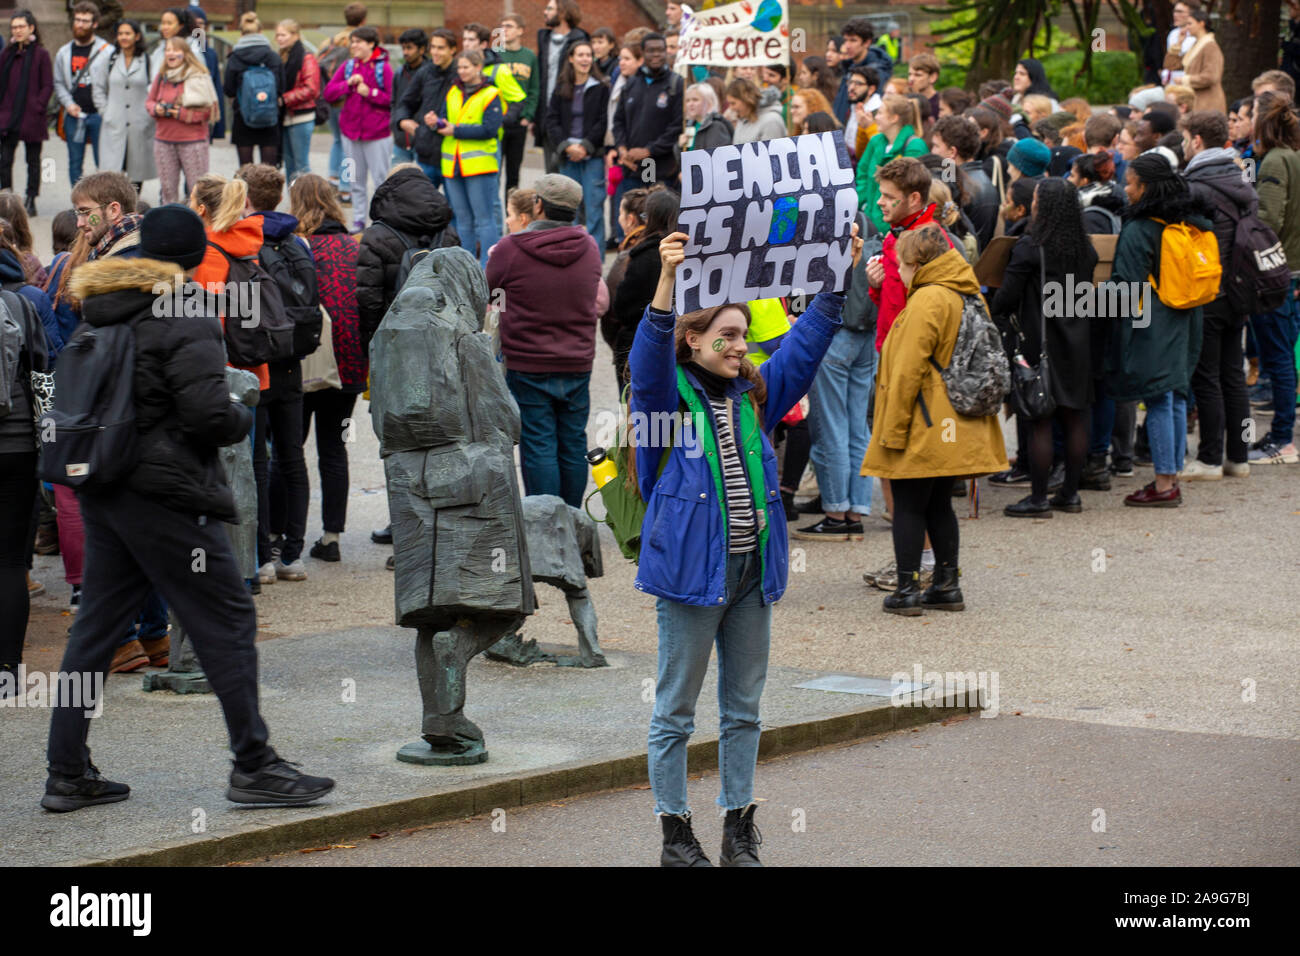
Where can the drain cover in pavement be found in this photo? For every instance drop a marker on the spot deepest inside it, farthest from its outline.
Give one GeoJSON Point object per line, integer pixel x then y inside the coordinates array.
{"type": "Point", "coordinates": [871, 686]}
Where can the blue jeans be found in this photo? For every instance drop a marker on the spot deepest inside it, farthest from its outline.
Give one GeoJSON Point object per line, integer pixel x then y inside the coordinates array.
{"type": "Point", "coordinates": [553, 412]}
{"type": "Point", "coordinates": [77, 151]}
{"type": "Point", "coordinates": [297, 150]}
{"type": "Point", "coordinates": [590, 175]}
{"type": "Point", "coordinates": [336, 147]}
{"type": "Point", "coordinates": [471, 201]}
{"type": "Point", "coordinates": [402, 155]}
{"type": "Point", "coordinates": [837, 421]}
{"type": "Point", "coordinates": [1276, 333]}
{"type": "Point", "coordinates": [152, 622]}
{"type": "Point", "coordinates": [1167, 432]}
{"type": "Point", "coordinates": [742, 629]}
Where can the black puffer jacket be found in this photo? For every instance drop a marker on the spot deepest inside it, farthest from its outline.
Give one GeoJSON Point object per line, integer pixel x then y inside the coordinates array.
{"type": "Point", "coordinates": [409, 203]}
{"type": "Point", "coordinates": [1213, 177]}
{"type": "Point", "coordinates": [182, 404]}
{"type": "Point", "coordinates": [635, 291]}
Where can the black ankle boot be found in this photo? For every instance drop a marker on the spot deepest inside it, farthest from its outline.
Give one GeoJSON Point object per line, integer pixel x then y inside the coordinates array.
{"type": "Point", "coordinates": [906, 599]}
{"type": "Point", "coordinates": [944, 594]}
{"type": "Point", "coordinates": [680, 846]}
{"type": "Point", "coordinates": [1096, 476]}
{"type": "Point", "coordinates": [740, 838]}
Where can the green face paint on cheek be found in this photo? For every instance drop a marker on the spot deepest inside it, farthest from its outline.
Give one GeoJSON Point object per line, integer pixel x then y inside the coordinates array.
{"type": "Point", "coordinates": [719, 344]}
{"type": "Point", "coordinates": [93, 220]}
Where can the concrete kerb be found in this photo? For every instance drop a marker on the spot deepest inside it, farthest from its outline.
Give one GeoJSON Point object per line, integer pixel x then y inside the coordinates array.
{"type": "Point", "coordinates": [522, 791]}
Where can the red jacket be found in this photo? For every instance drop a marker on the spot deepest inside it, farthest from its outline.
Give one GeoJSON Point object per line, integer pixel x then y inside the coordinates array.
{"type": "Point", "coordinates": [548, 278]}
{"type": "Point", "coordinates": [306, 88]}
{"type": "Point", "coordinates": [892, 294]}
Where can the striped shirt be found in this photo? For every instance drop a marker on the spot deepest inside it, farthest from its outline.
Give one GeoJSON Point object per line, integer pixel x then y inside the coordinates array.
{"type": "Point", "coordinates": [742, 532]}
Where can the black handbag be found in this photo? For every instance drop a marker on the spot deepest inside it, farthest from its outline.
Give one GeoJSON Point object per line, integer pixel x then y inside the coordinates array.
{"type": "Point", "coordinates": [1031, 387]}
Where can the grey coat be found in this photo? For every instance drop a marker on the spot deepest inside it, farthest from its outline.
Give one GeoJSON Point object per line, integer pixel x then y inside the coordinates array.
{"type": "Point", "coordinates": [126, 137]}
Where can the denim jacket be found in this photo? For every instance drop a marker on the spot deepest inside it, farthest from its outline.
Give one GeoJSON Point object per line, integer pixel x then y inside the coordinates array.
{"type": "Point", "coordinates": [683, 539]}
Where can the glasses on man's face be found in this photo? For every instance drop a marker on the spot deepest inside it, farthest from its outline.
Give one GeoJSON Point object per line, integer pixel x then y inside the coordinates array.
{"type": "Point", "coordinates": [86, 213]}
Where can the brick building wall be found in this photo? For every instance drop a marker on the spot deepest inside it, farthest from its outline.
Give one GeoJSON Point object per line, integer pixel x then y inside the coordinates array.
{"type": "Point", "coordinates": [619, 15]}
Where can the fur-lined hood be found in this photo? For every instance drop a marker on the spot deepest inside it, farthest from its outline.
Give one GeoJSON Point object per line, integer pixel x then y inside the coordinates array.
{"type": "Point", "coordinates": [116, 274]}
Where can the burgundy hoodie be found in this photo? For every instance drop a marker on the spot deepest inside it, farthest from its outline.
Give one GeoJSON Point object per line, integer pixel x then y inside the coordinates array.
{"type": "Point", "coordinates": [548, 275]}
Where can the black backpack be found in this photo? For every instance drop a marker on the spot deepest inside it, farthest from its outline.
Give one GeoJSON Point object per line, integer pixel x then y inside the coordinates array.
{"type": "Point", "coordinates": [1257, 278]}
{"type": "Point", "coordinates": [89, 439]}
{"type": "Point", "coordinates": [414, 252]}
{"type": "Point", "coordinates": [258, 329]}
{"type": "Point", "coordinates": [290, 264]}
{"type": "Point", "coordinates": [1099, 221]}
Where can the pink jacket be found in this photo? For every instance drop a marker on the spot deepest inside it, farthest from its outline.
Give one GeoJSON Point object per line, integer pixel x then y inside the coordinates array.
{"type": "Point", "coordinates": [188, 126]}
{"type": "Point", "coordinates": [364, 117]}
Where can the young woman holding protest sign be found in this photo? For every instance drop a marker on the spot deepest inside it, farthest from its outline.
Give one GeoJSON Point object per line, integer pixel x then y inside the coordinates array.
{"type": "Point", "coordinates": [714, 547]}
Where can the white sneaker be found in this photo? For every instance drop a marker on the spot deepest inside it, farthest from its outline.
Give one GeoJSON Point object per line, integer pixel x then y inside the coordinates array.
{"type": "Point", "coordinates": [1197, 470]}
{"type": "Point", "coordinates": [296, 571]}
{"type": "Point", "coordinates": [266, 573]}
{"type": "Point", "coordinates": [1236, 469]}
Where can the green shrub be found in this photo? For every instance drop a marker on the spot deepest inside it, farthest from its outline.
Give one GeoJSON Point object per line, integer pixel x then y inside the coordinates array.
{"type": "Point", "coordinates": [1113, 75]}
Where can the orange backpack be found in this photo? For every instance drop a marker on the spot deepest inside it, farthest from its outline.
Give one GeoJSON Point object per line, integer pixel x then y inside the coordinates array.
{"type": "Point", "coordinates": [1189, 267]}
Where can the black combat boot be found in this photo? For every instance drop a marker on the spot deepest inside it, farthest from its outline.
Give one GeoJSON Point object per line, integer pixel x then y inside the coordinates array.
{"type": "Point", "coordinates": [906, 599]}
{"type": "Point", "coordinates": [1096, 476]}
{"type": "Point", "coordinates": [943, 594]}
{"type": "Point", "coordinates": [680, 846]}
{"type": "Point", "coordinates": [740, 838]}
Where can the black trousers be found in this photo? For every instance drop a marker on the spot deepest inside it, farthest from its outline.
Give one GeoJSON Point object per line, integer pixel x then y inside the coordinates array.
{"type": "Point", "coordinates": [513, 140]}
{"type": "Point", "coordinates": [1219, 384]}
{"type": "Point", "coordinates": [17, 495]}
{"type": "Point", "coordinates": [8, 150]}
{"type": "Point", "coordinates": [331, 409]}
{"type": "Point", "coordinates": [133, 544]}
{"type": "Point", "coordinates": [282, 488]}
{"type": "Point", "coordinates": [923, 505]}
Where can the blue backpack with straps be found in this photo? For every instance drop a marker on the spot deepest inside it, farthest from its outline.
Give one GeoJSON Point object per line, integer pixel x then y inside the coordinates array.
{"type": "Point", "coordinates": [258, 101]}
{"type": "Point", "coordinates": [379, 72]}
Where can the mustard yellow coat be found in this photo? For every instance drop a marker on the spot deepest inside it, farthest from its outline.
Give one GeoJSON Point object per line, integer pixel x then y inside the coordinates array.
{"type": "Point", "coordinates": [903, 443]}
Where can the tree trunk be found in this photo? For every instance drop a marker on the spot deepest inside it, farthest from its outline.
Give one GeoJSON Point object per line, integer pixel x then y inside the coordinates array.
{"type": "Point", "coordinates": [1249, 40]}
{"type": "Point", "coordinates": [52, 21]}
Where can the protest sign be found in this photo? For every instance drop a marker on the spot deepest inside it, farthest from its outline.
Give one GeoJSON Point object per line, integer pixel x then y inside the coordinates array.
{"type": "Point", "coordinates": [765, 220]}
{"type": "Point", "coordinates": [749, 33]}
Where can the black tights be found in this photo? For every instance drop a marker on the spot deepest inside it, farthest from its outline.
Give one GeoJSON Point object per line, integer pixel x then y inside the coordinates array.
{"type": "Point", "coordinates": [270, 155]}
{"type": "Point", "coordinates": [1074, 423]}
{"type": "Point", "coordinates": [923, 505]}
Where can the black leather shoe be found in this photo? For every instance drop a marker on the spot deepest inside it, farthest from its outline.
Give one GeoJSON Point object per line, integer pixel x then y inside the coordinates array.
{"type": "Point", "coordinates": [278, 782]}
{"type": "Point", "coordinates": [813, 506]}
{"type": "Point", "coordinates": [740, 838]}
{"type": "Point", "coordinates": [906, 599]}
{"type": "Point", "coordinates": [680, 846]}
{"type": "Point", "coordinates": [31, 205]}
{"type": "Point", "coordinates": [63, 794]}
{"type": "Point", "coordinates": [944, 594]}
{"type": "Point", "coordinates": [382, 535]}
{"type": "Point", "coordinates": [830, 529]}
{"type": "Point", "coordinates": [1071, 504]}
{"type": "Point", "coordinates": [1027, 507]}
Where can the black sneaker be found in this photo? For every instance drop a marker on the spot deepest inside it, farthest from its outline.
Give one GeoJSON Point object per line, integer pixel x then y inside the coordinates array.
{"type": "Point", "coordinates": [325, 552]}
{"type": "Point", "coordinates": [1011, 478]}
{"type": "Point", "coordinates": [1122, 467]}
{"type": "Point", "coordinates": [64, 794]}
{"type": "Point", "coordinates": [279, 783]}
{"type": "Point", "coordinates": [831, 529]}
{"type": "Point", "coordinates": [382, 535]}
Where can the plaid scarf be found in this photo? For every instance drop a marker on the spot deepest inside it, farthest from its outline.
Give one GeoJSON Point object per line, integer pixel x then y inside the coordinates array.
{"type": "Point", "coordinates": [126, 225]}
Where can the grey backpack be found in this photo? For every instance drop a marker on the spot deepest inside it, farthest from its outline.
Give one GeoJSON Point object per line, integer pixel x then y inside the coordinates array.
{"type": "Point", "coordinates": [978, 375]}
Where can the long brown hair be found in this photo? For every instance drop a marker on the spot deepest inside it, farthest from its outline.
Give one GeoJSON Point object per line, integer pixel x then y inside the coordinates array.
{"type": "Point", "coordinates": [11, 208]}
{"type": "Point", "coordinates": [9, 243]}
{"type": "Point", "coordinates": [312, 200]}
{"type": "Point", "coordinates": [78, 252]}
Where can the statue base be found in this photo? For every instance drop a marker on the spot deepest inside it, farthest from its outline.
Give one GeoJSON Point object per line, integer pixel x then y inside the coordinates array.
{"type": "Point", "coordinates": [179, 682]}
{"type": "Point", "coordinates": [420, 752]}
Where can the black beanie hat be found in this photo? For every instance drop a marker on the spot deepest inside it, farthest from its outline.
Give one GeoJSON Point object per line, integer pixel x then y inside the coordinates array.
{"type": "Point", "coordinates": [173, 233]}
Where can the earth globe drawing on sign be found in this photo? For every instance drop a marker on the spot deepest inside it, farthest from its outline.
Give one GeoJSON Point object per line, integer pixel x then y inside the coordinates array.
{"type": "Point", "coordinates": [785, 217]}
{"type": "Point", "coordinates": [767, 17]}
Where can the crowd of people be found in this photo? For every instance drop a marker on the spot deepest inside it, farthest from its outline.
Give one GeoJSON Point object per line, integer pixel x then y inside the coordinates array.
{"type": "Point", "coordinates": [974, 205]}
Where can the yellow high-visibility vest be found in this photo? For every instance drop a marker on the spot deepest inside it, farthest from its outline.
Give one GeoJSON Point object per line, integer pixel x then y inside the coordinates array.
{"type": "Point", "coordinates": [469, 157]}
